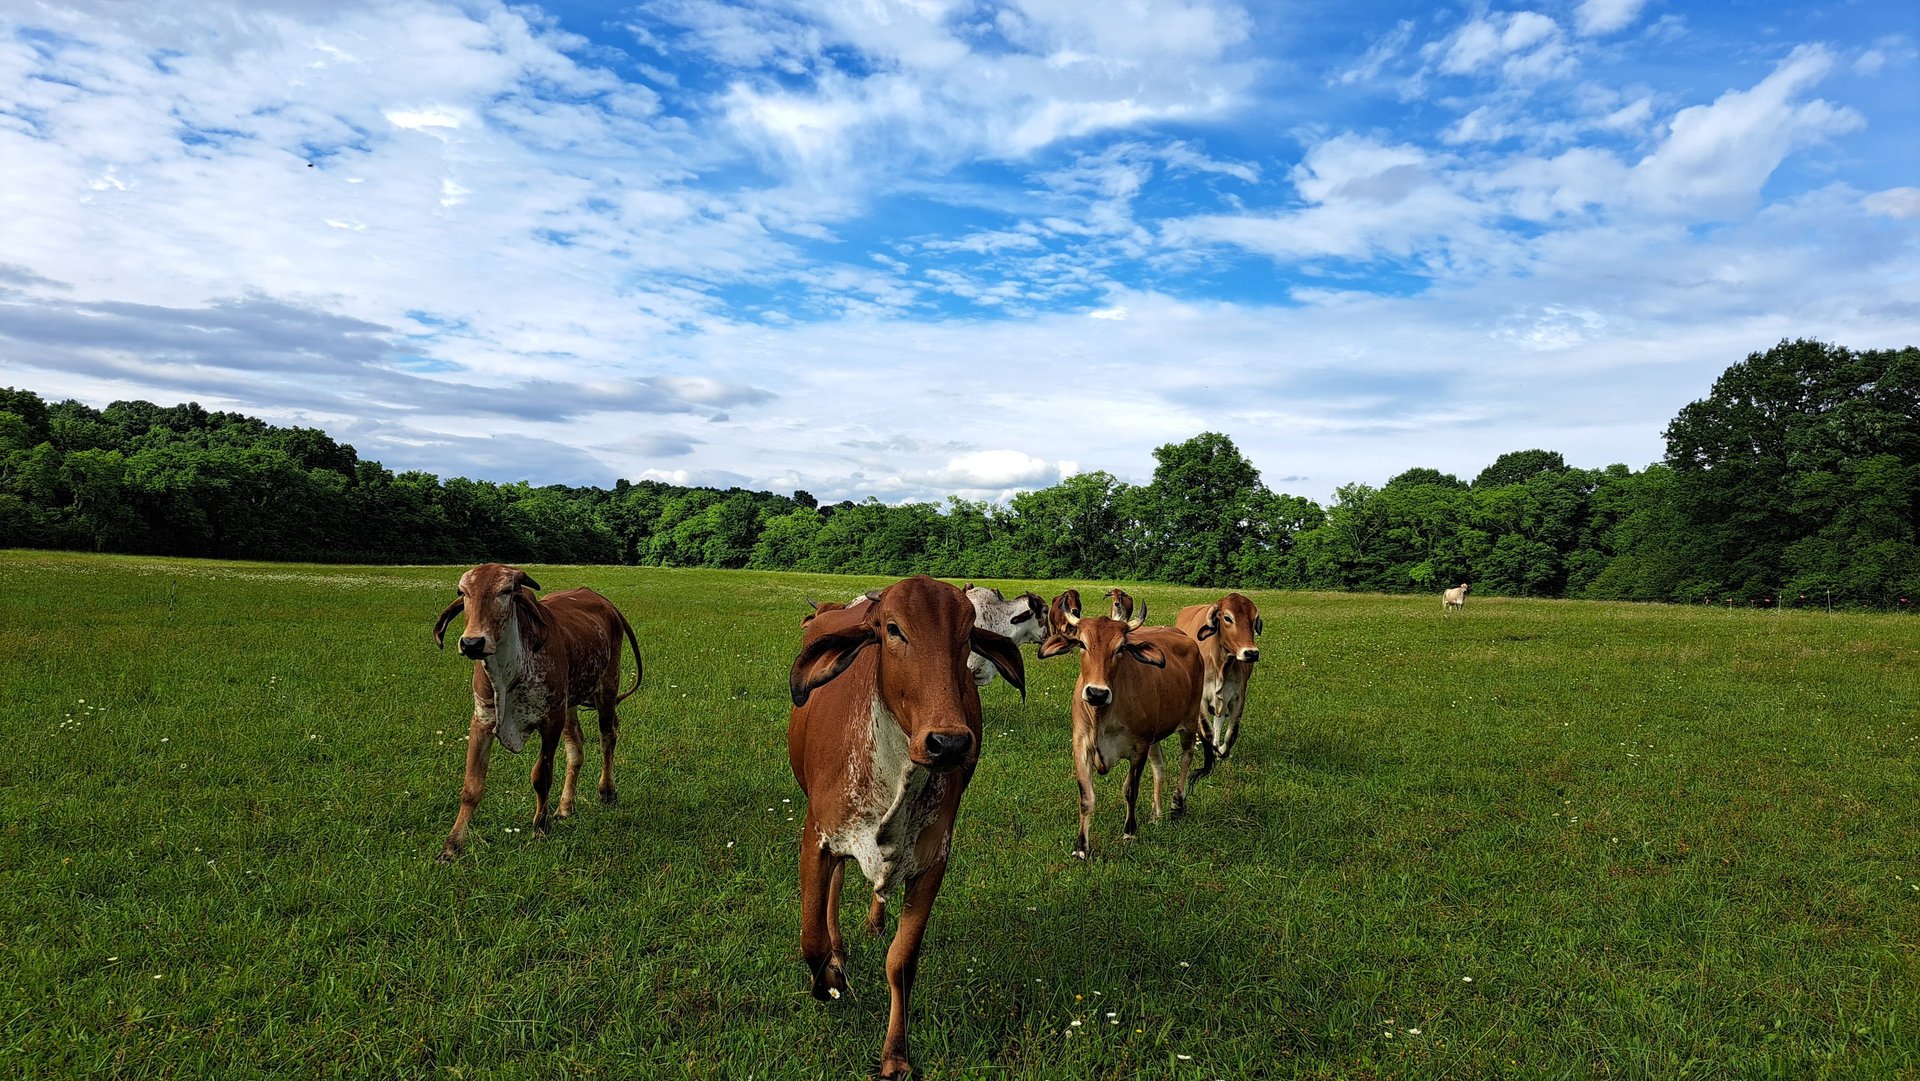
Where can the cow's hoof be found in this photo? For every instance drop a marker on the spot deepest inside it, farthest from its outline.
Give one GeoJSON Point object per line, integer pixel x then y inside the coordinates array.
{"type": "Point", "coordinates": [1129, 835]}
{"type": "Point", "coordinates": [830, 983]}
{"type": "Point", "coordinates": [446, 855]}
{"type": "Point", "coordinates": [894, 1070]}
{"type": "Point", "coordinates": [1080, 852]}
{"type": "Point", "coordinates": [565, 811]}
{"type": "Point", "coordinates": [1179, 812]}
{"type": "Point", "coordinates": [609, 796]}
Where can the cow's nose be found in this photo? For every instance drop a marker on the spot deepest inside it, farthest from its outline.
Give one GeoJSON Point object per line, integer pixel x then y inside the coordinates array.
{"type": "Point", "coordinates": [473, 647]}
{"type": "Point", "coordinates": [949, 749]}
{"type": "Point", "coordinates": [1249, 655]}
{"type": "Point", "coordinates": [1098, 696]}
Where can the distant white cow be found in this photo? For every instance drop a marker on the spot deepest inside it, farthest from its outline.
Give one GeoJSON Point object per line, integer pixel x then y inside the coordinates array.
{"type": "Point", "coordinates": [1454, 598]}
{"type": "Point", "coordinates": [1022, 618]}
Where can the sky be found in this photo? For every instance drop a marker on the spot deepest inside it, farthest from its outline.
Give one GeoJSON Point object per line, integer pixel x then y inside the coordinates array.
{"type": "Point", "coordinates": [917, 248]}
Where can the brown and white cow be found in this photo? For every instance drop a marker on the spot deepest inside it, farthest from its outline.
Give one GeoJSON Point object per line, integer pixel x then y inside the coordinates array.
{"type": "Point", "coordinates": [1022, 619]}
{"type": "Point", "coordinates": [1455, 598]}
{"type": "Point", "coordinates": [1064, 605]}
{"type": "Point", "coordinates": [1122, 604]}
{"type": "Point", "coordinates": [884, 736]}
{"type": "Point", "coordinates": [1138, 685]}
{"type": "Point", "coordinates": [1225, 631]}
{"type": "Point", "coordinates": [537, 660]}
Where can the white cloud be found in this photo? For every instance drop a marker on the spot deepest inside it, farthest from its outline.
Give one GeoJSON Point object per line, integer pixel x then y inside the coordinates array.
{"type": "Point", "coordinates": [1716, 157]}
{"type": "Point", "coordinates": [1595, 17]}
{"type": "Point", "coordinates": [1894, 203]}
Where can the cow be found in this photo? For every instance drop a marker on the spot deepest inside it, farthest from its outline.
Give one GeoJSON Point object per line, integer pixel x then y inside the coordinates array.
{"type": "Point", "coordinates": [1122, 604]}
{"type": "Point", "coordinates": [1137, 686]}
{"type": "Point", "coordinates": [536, 661]}
{"type": "Point", "coordinates": [1023, 619]}
{"type": "Point", "coordinates": [1066, 604]}
{"type": "Point", "coordinates": [1225, 631]}
{"type": "Point", "coordinates": [1455, 598]}
{"type": "Point", "coordinates": [883, 738]}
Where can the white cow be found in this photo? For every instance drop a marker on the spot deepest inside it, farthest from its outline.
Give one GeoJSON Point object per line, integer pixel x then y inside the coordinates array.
{"type": "Point", "coordinates": [1454, 598]}
{"type": "Point", "coordinates": [1022, 618]}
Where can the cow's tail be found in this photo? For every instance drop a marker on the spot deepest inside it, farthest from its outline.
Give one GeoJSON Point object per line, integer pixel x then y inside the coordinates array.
{"type": "Point", "coordinates": [634, 645]}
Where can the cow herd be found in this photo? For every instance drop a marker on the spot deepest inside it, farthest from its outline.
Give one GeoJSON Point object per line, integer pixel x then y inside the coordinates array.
{"type": "Point", "coordinates": [885, 729]}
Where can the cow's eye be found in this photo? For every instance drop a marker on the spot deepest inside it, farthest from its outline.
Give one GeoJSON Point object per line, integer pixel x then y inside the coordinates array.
{"type": "Point", "coordinates": [893, 629]}
{"type": "Point", "coordinates": [1228, 618]}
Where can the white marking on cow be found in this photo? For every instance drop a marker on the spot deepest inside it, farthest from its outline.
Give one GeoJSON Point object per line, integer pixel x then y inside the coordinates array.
{"type": "Point", "coordinates": [896, 798]}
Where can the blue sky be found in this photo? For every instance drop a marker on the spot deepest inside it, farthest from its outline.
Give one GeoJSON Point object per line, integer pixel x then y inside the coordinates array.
{"type": "Point", "coordinates": [912, 249]}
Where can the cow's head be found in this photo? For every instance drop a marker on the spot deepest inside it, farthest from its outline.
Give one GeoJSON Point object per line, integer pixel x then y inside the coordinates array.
{"type": "Point", "coordinates": [1122, 604]}
{"type": "Point", "coordinates": [1235, 619]}
{"type": "Point", "coordinates": [922, 632]}
{"type": "Point", "coordinates": [501, 612]}
{"type": "Point", "coordinates": [1066, 604]}
{"type": "Point", "coordinates": [1103, 643]}
{"type": "Point", "coordinates": [1028, 616]}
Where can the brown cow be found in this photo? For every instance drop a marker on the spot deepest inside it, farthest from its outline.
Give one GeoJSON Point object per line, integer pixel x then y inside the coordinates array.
{"type": "Point", "coordinates": [883, 739]}
{"type": "Point", "coordinates": [1137, 686]}
{"type": "Point", "coordinates": [1122, 604]}
{"type": "Point", "coordinates": [1066, 604]}
{"type": "Point", "coordinates": [1225, 632]}
{"type": "Point", "coordinates": [537, 662]}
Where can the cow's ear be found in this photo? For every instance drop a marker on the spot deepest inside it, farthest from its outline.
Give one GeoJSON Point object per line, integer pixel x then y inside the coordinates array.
{"type": "Point", "coordinates": [1146, 653]}
{"type": "Point", "coordinates": [823, 658]}
{"type": "Point", "coordinates": [446, 617]}
{"type": "Point", "coordinates": [1005, 656]}
{"type": "Point", "coordinates": [1213, 625]}
{"type": "Point", "coordinates": [1025, 614]}
{"type": "Point", "coordinates": [525, 581]}
{"type": "Point", "coordinates": [1055, 645]}
{"type": "Point", "coordinates": [534, 626]}
{"type": "Point", "coordinates": [1259, 624]}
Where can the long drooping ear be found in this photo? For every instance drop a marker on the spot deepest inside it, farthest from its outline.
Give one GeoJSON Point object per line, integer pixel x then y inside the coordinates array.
{"type": "Point", "coordinates": [823, 658]}
{"type": "Point", "coordinates": [534, 630]}
{"type": "Point", "coordinates": [525, 581]}
{"type": "Point", "coordinates": [1213, 625]}
{"type": "Point", "coordinates": [999, 649]}
{"type": "Point", "coordinates": [1055, 645]}
{"type": "Point", "coordinates": [1025, 614]}
{"type": "Point", "coordinates": [1146, 653]}
{"type": "Point", "coordinates": [440, 629]}
{"type": "Point", "coordinates": [1259, 624]}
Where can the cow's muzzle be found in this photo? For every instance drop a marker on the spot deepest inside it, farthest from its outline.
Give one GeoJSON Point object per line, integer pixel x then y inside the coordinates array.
{"type": "Point", "coordinates": [474, 648]}
{"type": "Point", "coordinates": [945, 750]}
{"type": "Point", "coordinates": [1249, 655]}
{"type": "Point", "coordinates": [1097, 696]}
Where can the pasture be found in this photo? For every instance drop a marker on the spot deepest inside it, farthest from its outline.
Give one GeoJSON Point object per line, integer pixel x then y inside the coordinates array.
{"type": "Point", "coordinates": [1536, 839]}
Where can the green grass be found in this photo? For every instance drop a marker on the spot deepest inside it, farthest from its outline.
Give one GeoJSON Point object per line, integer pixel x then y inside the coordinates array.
{"type": "Point", "coordinates": [1559, 839]}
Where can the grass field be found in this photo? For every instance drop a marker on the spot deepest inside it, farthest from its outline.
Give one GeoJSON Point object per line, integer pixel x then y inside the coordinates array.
{"type": "Point", "coordinates": [1540, 839]}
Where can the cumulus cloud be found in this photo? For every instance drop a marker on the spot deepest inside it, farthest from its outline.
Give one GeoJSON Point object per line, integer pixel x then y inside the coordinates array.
{"type": "Point", "coordinates": [1716, 157]}
{"type": "Point", "coordinates": [1606, 16]}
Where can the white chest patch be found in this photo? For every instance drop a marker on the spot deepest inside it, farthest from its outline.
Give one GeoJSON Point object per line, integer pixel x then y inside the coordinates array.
{"type": "Point", "coordinates": [519, 698]}
{"type": "Point", "coordinates": [895, 799]}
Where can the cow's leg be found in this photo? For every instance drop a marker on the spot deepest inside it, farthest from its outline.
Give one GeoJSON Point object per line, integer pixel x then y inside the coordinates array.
{"type": "Point", "coordinates": [576, 749]}
{"type": "Point", "coordinates": [819, 872]}
{"type": "Point", "coordinates": [1083, 772]}
{"type": "Point", "coordinates": [1186, 769]}
{"type": "Point", "coordinates": [877, 915]}
{"type": "Point", "coordinates": [1233, 737]}
{"type": "Point", "coordinates": [1206, 751]}
{"type": "Point", "coordinates": [1159, 766]}
{"type": "Point", "coordinates": [609, 735]}
{"type": "Point", "coordinates": [543, 773]}
{"type": "Point", "coordinates": [1134, 769]}
{"type": "Point", "coordinates": [837, 945]}
{"type": "Point", "coordinates": [479, 748]}
{"type": "Point", "coordinates": [903, 964]}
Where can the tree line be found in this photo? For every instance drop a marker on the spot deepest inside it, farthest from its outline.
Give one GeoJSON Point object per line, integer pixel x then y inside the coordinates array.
{"type": "Point", "coordinates": [1797, 479]}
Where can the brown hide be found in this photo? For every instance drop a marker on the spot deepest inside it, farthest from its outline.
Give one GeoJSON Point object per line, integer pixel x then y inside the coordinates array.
{"type": "Point", "coordinates": [548, 656]}
{"type": "Point", "coordinates": [882, 700]}
{"type": "Point", "coordinates": [1226, 631]}
{"type": "Point", "coordinates": [1151, 677]}
{"type": "Point", "coordinates": [1064, 605]}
